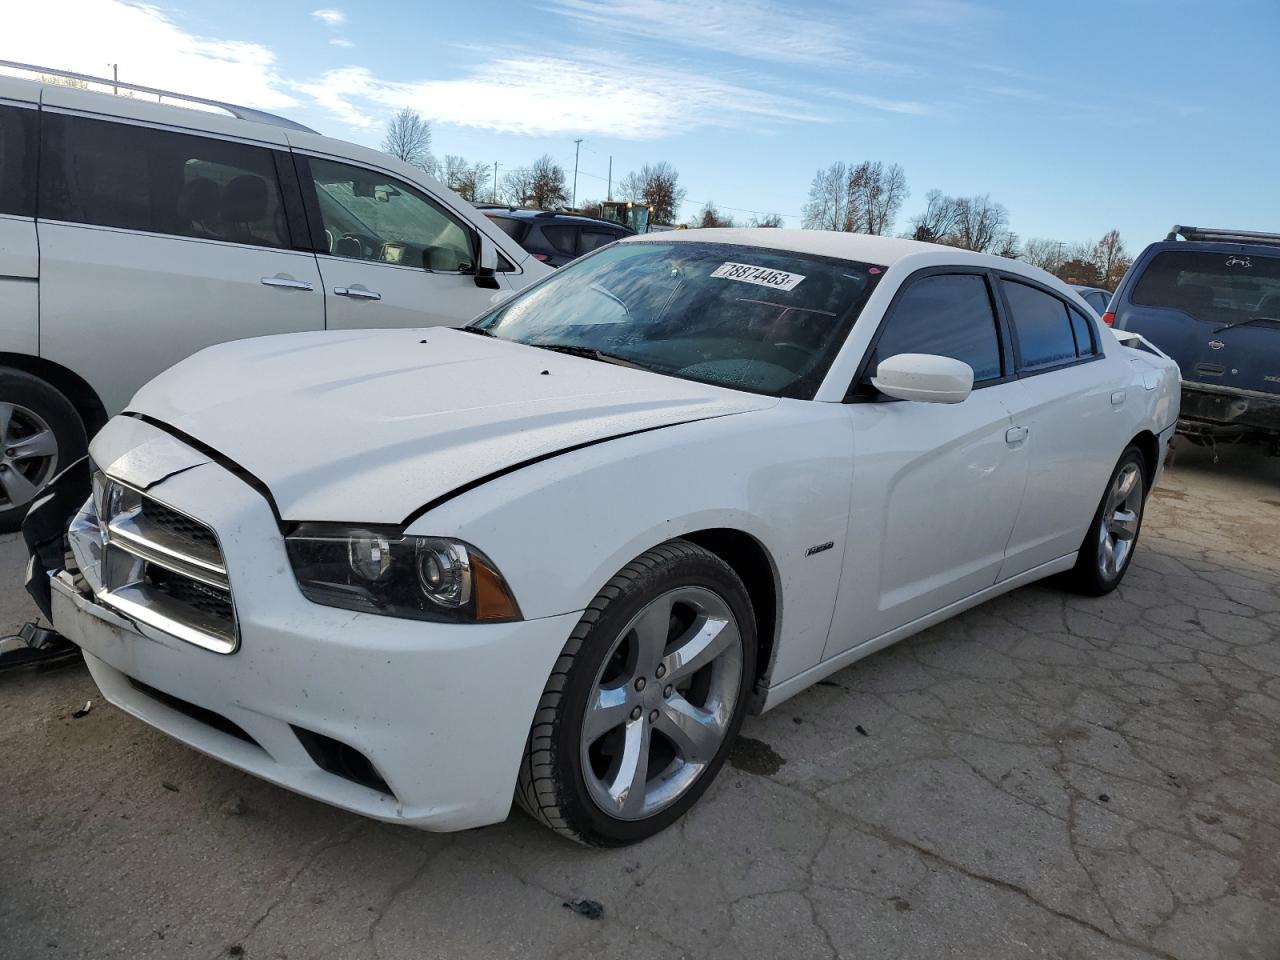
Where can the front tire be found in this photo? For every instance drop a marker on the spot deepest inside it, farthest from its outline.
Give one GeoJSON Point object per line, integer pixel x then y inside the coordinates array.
{"type": "Point", "coordinates": [644, 701]}
{"type": "Point", "coordinates": [40, 433]}
{"type": "Point", "coordinates": [1108, 547]}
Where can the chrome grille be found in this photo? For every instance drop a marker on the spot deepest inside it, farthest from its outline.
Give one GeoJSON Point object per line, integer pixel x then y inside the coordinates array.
{"type": "Point", "coordinates": [155, 565]}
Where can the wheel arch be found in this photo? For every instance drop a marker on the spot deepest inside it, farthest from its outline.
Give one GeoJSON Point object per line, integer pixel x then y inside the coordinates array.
{"type": "Point", "coordinates": [1149, 447]}
{"type": "Point", "coordinates": [752, 562]}
{"type": "Point", "coordinates": [92, 411]}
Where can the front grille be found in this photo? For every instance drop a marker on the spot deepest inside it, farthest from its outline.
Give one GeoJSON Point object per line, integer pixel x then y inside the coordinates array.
{"type": "Point", "coordinates": [155, 565]}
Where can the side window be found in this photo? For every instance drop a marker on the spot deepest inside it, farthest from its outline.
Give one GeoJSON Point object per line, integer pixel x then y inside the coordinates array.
{"type": "Point", "coordinates": [1041, 326]}
{"type": "Point", "coordinates": [369, 215]}
{"type": "Point", "coordinates": [594, 239]}
{"type": "Point", "coordinates": [513, 228]}
{"type": "Point", "coordinates": [946, 314]}
{"type": "Point", "coordinates": [1082, 329]}
{"type": "Point", "coordinates": [1099, 303]}
{"type": "Point", "coordinates": [137, 178]}
{"type": "Point", "coordinates": [562, 238]}
{"type": "Point", "coordinates": [18, 161]}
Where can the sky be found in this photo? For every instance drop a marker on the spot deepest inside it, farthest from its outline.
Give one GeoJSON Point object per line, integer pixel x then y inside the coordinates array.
{"type": "Point", "coordinates": [1078, 117]}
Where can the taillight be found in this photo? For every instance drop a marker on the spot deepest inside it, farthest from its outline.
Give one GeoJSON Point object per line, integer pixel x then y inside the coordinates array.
{"type": "Point", "coordinates": [1109, 318]}
{"type": "Point", "coordinates": [541, 256]}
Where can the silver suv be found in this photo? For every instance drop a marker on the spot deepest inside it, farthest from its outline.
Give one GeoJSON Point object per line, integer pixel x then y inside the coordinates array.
{"type": "Point", "coordinates": [134, 233]}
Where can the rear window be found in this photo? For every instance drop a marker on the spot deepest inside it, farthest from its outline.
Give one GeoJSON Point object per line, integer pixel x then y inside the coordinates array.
{"type": "Point", "coordinates": [18, 161]}
{"type": "Point", "coordinates": [562, 238]}
{"type": "Point", "coordinates": [513, 228]}
{"type": "Point", "coordinates": [1217, 287]}
{"type": "Point", "coordinates": [139, 178]}
{"type": "Point", "coordinates": [1042, 325]}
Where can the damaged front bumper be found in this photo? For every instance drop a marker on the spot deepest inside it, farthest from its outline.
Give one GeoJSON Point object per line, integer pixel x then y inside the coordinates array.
{"type": "Point", "coordinates": [45, 529]}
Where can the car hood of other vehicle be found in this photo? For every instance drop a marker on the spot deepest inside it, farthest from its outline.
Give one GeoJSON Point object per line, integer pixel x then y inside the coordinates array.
{"type": "Point", "coordinates": [370, 426]}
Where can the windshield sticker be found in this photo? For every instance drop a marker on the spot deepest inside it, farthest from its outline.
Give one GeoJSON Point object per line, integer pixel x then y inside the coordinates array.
{"type": "Point", "coordinates": [1239, 262]}
{"type": "Point", "coordinates": [762, 276]}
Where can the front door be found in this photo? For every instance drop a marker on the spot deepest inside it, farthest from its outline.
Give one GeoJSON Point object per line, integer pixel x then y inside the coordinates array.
{"type": "Point", "coordinates": [936, 487]}
{"type": "Point", "coordinates": [390, 256]}
{"type": "Point", "coordinates": [155, 244]}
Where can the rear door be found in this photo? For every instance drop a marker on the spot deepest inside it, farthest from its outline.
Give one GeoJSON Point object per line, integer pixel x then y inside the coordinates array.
{"type": "Point", "coordinates": [19, 253]}
{"type": "Point", "coordinates": [1068, 404]}
{"type": "Point", "coordinates": [1215, 312]}
{"type": "Point", "coordinates": [155, 243]}
{"type": "Point", "coordinates": [390, 255]}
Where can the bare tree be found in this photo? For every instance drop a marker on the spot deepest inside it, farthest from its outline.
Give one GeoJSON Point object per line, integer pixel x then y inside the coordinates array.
{"type": "Point", "coordinates": [1042, 252]}
{"type": "Point", "coordinates": [709, 216]}
{"type": "Point", "coordinates": [657, 186]}
{"type": "Point", "coordinates": [1007, 245]}
{"type": "Point", "coordinates": [767, 220]}
{"type": "Point", "coordinates": [468, 180]}
{"type": "Point", "coordinates": [408, 138]}
{"type": "Point", "coordinates": [876, 193]}
{"type": "Point", "coordinates": [937, 221]}
{"type": "Point", "coordinates": [1111, 259]}
{"type": "Point", "coordinates": [828, 205]}
{"type": "Point", "coordinates": [547, 187]}
{"type": "Point", "coordinates": [517, 186]}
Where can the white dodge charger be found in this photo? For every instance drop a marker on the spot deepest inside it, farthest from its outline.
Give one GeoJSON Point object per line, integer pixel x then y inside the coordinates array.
{"type": "Point", "coordinates": [559, 553]}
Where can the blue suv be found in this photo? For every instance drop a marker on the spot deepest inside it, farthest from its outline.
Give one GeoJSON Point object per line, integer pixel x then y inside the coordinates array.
{"type": "Point", "coordinates": [1212, 302]}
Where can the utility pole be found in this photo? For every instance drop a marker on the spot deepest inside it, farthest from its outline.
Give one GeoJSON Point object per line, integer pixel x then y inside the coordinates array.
{"type": "Point", "coordinates": [1059, 264]}
{"type": "Point", "coordinates": [577, 145]}
{"type": "Point", "coordinates": [495, 181]}
{"type": "Point", "coordinates": [608, 193]}
{"type": "Point", "coordinates": [115, 78]}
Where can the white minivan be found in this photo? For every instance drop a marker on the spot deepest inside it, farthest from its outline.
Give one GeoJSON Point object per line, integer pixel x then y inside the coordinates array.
{"type": "Point", "coordinates": [134, 233]}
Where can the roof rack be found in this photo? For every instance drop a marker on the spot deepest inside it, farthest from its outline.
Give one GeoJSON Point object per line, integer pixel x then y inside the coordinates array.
{"type": "Point", "coordinates": [237, 111]}
{"type": "Point", "coordinates": [1229, 236]}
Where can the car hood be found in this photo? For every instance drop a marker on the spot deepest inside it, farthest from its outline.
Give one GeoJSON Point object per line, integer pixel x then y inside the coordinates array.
{"type": "Point", "coordinates": [370, 426]}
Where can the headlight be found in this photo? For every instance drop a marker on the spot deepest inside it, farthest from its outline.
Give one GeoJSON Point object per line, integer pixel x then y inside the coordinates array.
{"type": "Point", "coordinates": [385, 572]}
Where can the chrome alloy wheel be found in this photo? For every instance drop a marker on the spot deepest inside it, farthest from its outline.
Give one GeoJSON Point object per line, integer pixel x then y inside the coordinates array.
{"type": "Point", "coordinates": [28, 455]}
{"type": "Point", "coordinates": [1121, 517]}
{"type": "Point", "coordinates": [662, 703]}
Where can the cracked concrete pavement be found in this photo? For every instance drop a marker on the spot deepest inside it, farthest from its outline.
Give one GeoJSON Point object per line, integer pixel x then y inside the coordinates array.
{"type": "Point", "coordinates": [1044, 776]}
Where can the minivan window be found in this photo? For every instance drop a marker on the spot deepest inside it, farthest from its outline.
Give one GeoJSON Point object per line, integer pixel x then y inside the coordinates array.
{"type": "Point", "coordinates": [138, 178]}
{"type": "Point", "coordinates": [1218, 287]}
{"type": "Point", "coordinates": [18, 161]}
{"type": "Point", "coordinates": [1041, 325]}
{"type": "Point", "coordinates": [370, 215]}
{"type": "Point", "coordinates": [949, 315]}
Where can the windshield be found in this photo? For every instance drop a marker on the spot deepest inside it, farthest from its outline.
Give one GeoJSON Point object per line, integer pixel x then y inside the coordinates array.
{"type": "Point", "coordinates": [750, 318]}
{"type": "Point", "coordinates": [1218, 287]}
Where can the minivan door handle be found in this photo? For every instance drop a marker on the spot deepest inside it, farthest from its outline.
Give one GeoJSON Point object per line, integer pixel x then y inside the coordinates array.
{"type": "Point", "coordinates": [287, 282]}
{"type": "Point", "coordinates": [1015, 435]}
{"type": "Point", "coordinates": [357, 293]}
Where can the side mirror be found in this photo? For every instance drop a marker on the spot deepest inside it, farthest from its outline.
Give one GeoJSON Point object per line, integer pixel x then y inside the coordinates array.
{"type": "Point", "coordinates": [924, 377]}
{"type": "Point", "coordinates": [487, 268]}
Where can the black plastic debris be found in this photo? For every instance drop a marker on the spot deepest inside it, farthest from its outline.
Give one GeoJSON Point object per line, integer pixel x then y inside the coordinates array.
{"type": "Point", "coordinates": [169, 786]}
{"type": "Point", "coordinates": [83, 711]}
{"type": "Point", "coordinates": [591, 909]}
{"type": "Point", "coordinates": [861, 730]}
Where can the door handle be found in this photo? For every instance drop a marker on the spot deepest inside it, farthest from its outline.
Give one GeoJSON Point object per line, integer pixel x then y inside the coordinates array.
{"type": "Point", "coordinates": [357, 293]}
{"type": "Point", "coordinates": [1117, 397]}
{"type": "Point", "coordinates": [1015, 435]}
{"type": "Point", "coordinates": [287, 282]}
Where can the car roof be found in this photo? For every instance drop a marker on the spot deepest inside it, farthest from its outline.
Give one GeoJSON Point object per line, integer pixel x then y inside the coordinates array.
{"type": "Point", "coordinates": [1085, 287]}
{"type": "Point", "coordinates": [519, 213]}
{"type": "Point", "coordinates": [826, 243]}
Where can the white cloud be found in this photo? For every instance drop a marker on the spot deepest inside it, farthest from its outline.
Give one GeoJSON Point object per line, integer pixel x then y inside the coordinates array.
{"type": "Point", "coordinates": [758, 29]}
{"type": "Point", "coordinates": [330, 17]}
{"type": "Point", "coordinates": [543, 95]}
{"type": "Point", "coordinates": [341, 42]}
{"type": "Point", "coordinates": [149, 47]}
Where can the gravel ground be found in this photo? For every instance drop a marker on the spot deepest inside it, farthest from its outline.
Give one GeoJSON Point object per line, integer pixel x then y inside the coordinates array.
{"type": "Point", "coordinates": [1044, 776]}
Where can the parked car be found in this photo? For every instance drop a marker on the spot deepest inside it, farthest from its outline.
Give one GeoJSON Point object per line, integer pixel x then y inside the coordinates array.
{"type": "Point", "coordinates": [561, 552]}
{"type": "Point", "coordinates": [133, 234]}
{"type": "Point", "coordinates": [556, 238]}
{"type": "Point", "coordinates": [1095, 297]}
{"type": "Point", "coordinates": [1212, 302]}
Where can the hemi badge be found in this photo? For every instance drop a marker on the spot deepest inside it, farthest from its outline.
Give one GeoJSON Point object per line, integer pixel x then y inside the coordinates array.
{"type": "Point", "coordinates": [819, 548]}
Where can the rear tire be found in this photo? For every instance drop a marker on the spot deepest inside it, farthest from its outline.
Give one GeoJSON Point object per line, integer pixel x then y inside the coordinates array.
{"type": "Point", "coordinates": [40, 434]}
{"type": "Point", "coordinates": [659, 667]}
{"type": "Point", "coordinates": [1109, 545]}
